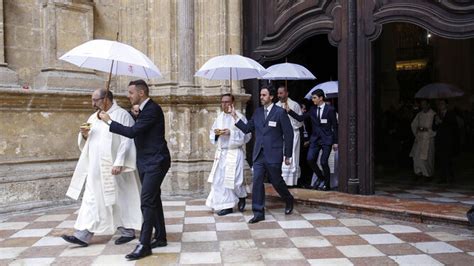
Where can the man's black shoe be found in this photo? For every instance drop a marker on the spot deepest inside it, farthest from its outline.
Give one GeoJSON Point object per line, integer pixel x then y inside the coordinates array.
{"type": "Point", "coordinates": [155, 243]}
{"type": "Point", "coordinates": [224, 212]}
{"type": "Point", "coordinates": [289, 207]}
{"type": "Point", "coordinates": [74, 240]}
{"type": "Point", "coordinates": [241, 204]}
{"type": "Point", "coordinates": [139, 252]}
{"type": "Point", "coordinates": [256, 219]}
{"type": "Point", "coordinates": [124, 239]}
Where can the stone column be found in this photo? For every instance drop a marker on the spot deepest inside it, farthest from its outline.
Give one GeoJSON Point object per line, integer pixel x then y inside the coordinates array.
{"type": "Point", "coordinates": [65, 26]}
{"type": "Point", "coordinates": [8, 77]}
{"type": "Point", "coordinates": [185, 42]}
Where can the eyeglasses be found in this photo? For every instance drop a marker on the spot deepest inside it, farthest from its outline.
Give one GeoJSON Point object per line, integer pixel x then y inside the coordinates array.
{"type": "Point", "coordinates": [98, 99]}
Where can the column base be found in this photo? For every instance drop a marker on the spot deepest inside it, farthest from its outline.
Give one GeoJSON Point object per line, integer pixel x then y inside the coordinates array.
{"type": "Point", "coordinates": [60, 80]}
{"type": "Point", "coordinates": [8, 77]}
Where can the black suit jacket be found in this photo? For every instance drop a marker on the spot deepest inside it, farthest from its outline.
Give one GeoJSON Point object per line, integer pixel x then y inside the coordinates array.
{"type": "Point", "coordinates": [148, 133]}
{"type": "Point", "coordinates": [322, 133]}
{"type": "Point", "coordinates": [271, 134]}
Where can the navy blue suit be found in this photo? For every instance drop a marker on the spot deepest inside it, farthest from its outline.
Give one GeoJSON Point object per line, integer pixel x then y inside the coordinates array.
{"type": "Point", "coordinates": [271, 135]}
{"type": "Point", "coordinates": [153, 162]}
{"type": "Point", "coordinates": [323, 136]}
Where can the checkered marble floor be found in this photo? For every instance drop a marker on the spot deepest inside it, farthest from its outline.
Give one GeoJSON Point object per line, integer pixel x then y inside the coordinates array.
{"type": "Point", "coordinates": [310, 236]}
{"type": "Point", "coordinates": [431, 193]}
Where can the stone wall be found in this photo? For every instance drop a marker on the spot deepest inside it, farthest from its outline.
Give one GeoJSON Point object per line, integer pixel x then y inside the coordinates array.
{"type": "Point", "coordinates": [39, 122]}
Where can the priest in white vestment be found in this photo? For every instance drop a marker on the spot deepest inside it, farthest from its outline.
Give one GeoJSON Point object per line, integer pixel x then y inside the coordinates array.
{"type": "Point", "coordinates": [107, 169]}
{"type": "Point", "coordinates": [423, 150]}
{"type": "Point", "coordinates": [227, 173]}
{"type": "Point", "coordinates": [292, 172]}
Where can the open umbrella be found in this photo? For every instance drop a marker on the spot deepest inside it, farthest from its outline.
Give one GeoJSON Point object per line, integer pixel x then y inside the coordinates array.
{"type": "Point", "coordinates": [288, 71]}
{"type": "Point", "coordinates": [438, 91]}
{"type": "Point", "coordinates": [231, 67]}
{"type": "Point", "coordinates": [330, 88]}
{"type": "Point", "coordinates": [113, 57]}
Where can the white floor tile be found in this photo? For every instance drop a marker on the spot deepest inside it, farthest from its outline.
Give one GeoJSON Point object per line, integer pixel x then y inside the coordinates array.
{"type": "Point", "coordinates": [199, 220]}
{"type": "Point", "coordinates": [395, 229]}
{"type": "Point", "coordinates": [242, 257]}
{"type": "Point", "coordinates": [231, 226]}
{"type": "Point", "coordinates": [50, 241]}
{"type": "Point", "coordinates": [234, 245]}
{"type": "Point", "coordinates": [335, 231]}
{"type": "Point", "coordinates": [200, 258]}
{"type": "Point", "coordinates": [407, 196]}
{"type": "Point", "coordinates": [74, 251]}
{"type": "Point", "coordinates": [11, 253]}
{"type": "Point", "coordinates": [358, 251]}
{"type": "Point", "coordinates": [32, 233]}
{"type": "Point", "coordinates": [331, 262]}
{"type": "Point", "coordinates": [174, 228]}
{"type": "Point", "coordinates": [267, 233]}
{"type": "Point", "coordinates": [444, 236]}
{"type": "Point", "coordinates": [51, 218]}
{"type": "Point", "coordinates": [118, 260]}
{"type": "Point", "coordinates": [13, 225]}
{"type": "Point", "coordinates": [66, 224]}
{"type": "Point", "coordinates": [317, 216]}
{"type": "Point", "coordinates": [451, 194]}
{"type": "Point", "coordinates": [198, 208]}
{"type": "Point", "coordinates": [172, 247]}
{"type": "Point", "coordinates": [310, 241]}
{"type": "Point", "coordinates": [33, 262]}
{"type": "Point", "coordinates": [356, 222]}
{"type": "Point", "coordinates": [441, 199]}
{"type": "Point", "coordinates": [281, 254]}
{"type": "Point", "coordinates": [295, 224]}
{"type": "Point", "coordinates": [174, 214]}
{"type": "Point", "coordinates": [381, 239]}
{"type": "Point", "coordinates": [174, 203]}
{"type": "Point", "coordinates": [436, 247]}
{"type": "Point", "coordinates": [415, 260]}
{"type": "Point", "coordinates": [199, 236]}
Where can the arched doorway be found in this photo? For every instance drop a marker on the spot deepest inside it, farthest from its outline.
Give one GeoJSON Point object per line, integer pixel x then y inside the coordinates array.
{"type": "Point", "coordinates": [407, 57]}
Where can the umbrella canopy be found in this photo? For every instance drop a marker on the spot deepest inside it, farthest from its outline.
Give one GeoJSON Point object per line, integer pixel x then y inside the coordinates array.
{"type": "Point", "coordinates": [439, 91]}
{"type": "Point", "coordinates": [119, 58]}
{"type": "Point", "coordinates": [330, 88]}
{"type": "Point", "coordinates": [231, 67]}
{"type": "Point", "coordinates": [288, 71]}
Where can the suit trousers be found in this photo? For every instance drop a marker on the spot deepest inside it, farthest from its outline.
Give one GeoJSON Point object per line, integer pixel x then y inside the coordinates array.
{"type": "Point", "coordinates": [151, 206]}
{"type": "Point", "coordinates": [313, 154]}
{"type": "Point", "coordinates": [260, 167]}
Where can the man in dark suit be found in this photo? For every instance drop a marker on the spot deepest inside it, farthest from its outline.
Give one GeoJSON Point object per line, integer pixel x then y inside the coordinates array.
{"type": "Point", "coordinates": [153, 162]}
{"type": "Point", "coordinates": [273, 131]}
{"type": "Point", "coordinates": [323, 136]}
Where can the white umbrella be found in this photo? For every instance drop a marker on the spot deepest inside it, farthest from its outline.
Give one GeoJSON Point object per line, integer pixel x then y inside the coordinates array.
{"type": "Point", "coordinates": [231, 67]}
{"type": "Point", "coordinates": [113, 57]}
{"type": "Point", "coordinates": [439, 91]}
{"type": "Point", "coordinates": [330, 88]}
{"type": "Point", "coordinates": [288, 71]}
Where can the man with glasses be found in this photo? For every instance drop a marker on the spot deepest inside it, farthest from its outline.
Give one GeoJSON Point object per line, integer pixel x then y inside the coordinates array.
{"type": "Point", "coordinates": [107, 169]}
{"type": "Point", "coordinates": [227, 173]}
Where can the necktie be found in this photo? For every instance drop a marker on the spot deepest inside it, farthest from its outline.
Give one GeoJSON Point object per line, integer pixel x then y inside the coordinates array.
{"type": "Point", "coordinates": [318, 114]}
{"type": "Point", "coordinates": [266, 113]}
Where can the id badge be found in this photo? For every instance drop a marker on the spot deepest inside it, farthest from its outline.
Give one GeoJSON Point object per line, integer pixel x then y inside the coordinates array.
{"type": "Point", "coordinates": [324, 121]}
{"type": "Point", "coordinates": [272, 123]}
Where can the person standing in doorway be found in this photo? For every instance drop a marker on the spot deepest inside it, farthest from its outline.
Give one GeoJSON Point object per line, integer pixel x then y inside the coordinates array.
{"type": "Point", "coordinates": [292, 172]}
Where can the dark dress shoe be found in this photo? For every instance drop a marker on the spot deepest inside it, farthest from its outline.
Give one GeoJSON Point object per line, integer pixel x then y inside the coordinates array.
{"type": "Point", "coordinates": [289, 207]}
{"type": "Point", "coordinates": [224, 212]}
{"type": "Point", "coordinates": [241, 204]}
{"type": "Point", "coordinates": [124, 239]}
{"type": "Point", "coordinates": [155, 243]}
{"type": "Point", "coordinates": [74, 240]}
{"type": "Point", "coordinates": [139, 252]}
{"type": "Point", "coordinates": [256, 219]}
